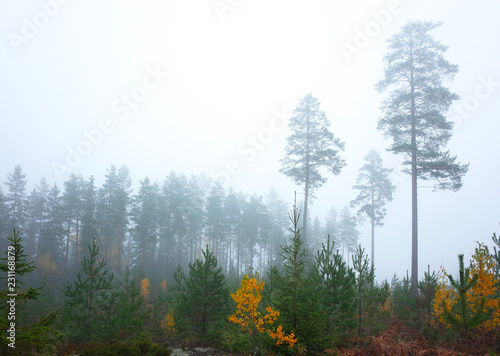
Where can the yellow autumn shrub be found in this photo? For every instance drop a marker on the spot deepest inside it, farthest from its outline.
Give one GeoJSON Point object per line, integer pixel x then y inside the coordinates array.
{"type": "Point", "coordinates": [446, 297]}
{"type": "Point", "coordinates": [247, 300]}
{"type": "Point", "coordinates": [168, 324]}
{"type": "Point", "coordinates": [144, 287]}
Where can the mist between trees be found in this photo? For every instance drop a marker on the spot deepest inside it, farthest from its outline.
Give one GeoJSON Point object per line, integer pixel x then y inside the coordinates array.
{"type": "Point", "coordinates": [162, 225]}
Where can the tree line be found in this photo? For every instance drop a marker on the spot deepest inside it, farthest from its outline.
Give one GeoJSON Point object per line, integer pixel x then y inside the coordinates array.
{"type": "Point", "coordinates": [162, 225]}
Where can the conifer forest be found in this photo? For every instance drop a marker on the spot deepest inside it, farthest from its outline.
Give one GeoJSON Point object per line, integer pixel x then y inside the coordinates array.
{"type": "Point", "coordinates": [156, 200]}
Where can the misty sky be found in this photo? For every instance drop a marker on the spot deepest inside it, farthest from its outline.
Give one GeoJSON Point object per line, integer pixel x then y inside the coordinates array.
{"type": "Point", "coordinates": [206, 86]}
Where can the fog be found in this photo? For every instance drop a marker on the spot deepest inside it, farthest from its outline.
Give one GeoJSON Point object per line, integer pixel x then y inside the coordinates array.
{"type": "Point", "coordinates": [209, 86]}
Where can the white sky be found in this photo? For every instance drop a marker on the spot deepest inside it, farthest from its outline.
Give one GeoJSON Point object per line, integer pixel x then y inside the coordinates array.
{"type": "Point", "coordinates": [66, 65]}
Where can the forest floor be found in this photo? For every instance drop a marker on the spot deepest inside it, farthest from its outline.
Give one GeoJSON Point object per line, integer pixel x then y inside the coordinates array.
{"type": "Point", "coordinates": [401, 340]}
{"type": "Point", "coordinates": [397, 340]}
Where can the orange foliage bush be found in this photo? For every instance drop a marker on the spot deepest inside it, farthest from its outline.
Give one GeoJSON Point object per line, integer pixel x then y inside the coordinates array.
{"type": "Point", "coordinates": [250, 319]}
{"type": "Point", "coordinates": [168, 324]}
{"type": "Point", "coordinates": [144, 287]}
{"type": "Point", "coordinates": [446, 297]}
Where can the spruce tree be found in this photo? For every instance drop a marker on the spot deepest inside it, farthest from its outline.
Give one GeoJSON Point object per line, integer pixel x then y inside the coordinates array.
{"type": "Point", "coordinates": [131, 310]}
{"type": "Point", "coordinates": [403, 302]}
{"type": "Point", "coordinates": [427, 287]}
{"type": "Point", "coordinates": [88, 311]}
{"type": "Point", "coordinates": [364, 280]}
{"type": "Point", "coordinates": [206, 299]}
{"type": "Point", "coordinates": [337, 283]}
{"type": "Point", "coordinates": [295, 293]}
{"type": "Point", "coordinates": [175, 300]}
{"type": "Point", "coordinates": [41, 336]}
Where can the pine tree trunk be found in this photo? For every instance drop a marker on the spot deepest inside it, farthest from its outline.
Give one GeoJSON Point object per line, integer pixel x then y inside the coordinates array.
{"type": "Point", "coordinates": [373, 227]}
{"type": "Point", "coordinates": [373, 242]}
{"type": "Point", "coordinates": [306, 192]}
{"type": "Point", "coordinates": [359, 307]}
{"type": "Point", "coordinates": [414, 230]}
{"type": "Point", "coordinates": [414, 216]}
{"type": "Point", "coordinates": [304, 223]}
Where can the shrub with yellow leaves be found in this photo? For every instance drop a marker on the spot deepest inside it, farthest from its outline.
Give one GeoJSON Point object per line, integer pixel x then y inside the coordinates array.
{"type": "Point", "coordinates": [476, 303]}
{"type": "Point", "coordinates": [144, 287]}
{"type": "Point", "coordinates": [483, 265]}
{"type": "Point", "coordinates": [250, 319]}
{"type": "Point", "coordinates": [168, 324]}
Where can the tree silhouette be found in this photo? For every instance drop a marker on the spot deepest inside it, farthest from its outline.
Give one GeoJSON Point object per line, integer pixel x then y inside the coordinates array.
{"type": "Point", "coordinates": [375, 190]}
{"type": "Point", "coordinates": [310, 147]}
{"type": "Point", "coordinates": [414, 114]}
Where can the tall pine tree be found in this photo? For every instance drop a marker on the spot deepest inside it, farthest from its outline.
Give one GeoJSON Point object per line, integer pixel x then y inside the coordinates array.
{"type": "Point", "coordinates": [145, 232]}
{"type": "Point", "coordinates": [310, 148]}
{"type": "Point", "coordinates": [113, 211]}
{"type": "Point", "coordinates": [215, 222]}
{"type": "Point", "coordinates": [414, 114]}
{"type": "Point", "coordinates": [375, 190]}
{"type": "Point", "coordinates": [72, 209]}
